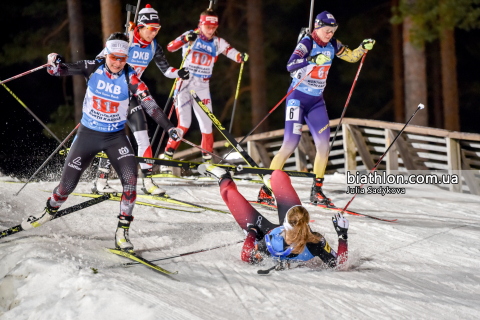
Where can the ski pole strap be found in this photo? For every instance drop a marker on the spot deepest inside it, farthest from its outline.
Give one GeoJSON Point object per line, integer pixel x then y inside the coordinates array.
{"type": "Point", "coordinates": [275, 253]}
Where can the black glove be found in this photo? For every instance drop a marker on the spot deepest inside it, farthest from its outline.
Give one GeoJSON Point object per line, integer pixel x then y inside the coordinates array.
{"type": "Point", "coordinates": [183, 74]}
{"type": "Point", "coordinates": [341, 226]}
{"type": "Point", "coordinates": [244, 57]}
{"type": "Point", "coordinates": [259, 235]}
{"type": "Point", "coordinates": [191, 36]}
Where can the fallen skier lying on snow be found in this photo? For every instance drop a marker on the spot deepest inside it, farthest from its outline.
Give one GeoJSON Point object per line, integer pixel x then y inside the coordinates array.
{"type": "Point", "coordinates": [292, 240]}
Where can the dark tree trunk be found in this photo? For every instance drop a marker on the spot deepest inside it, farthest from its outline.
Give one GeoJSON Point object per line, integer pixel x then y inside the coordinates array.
{"type": "Point", "coordinates": [256, 63]}
{"type": "Point", "coordinates": [398, 89]}
{"type": "Point", "coordinates": [436, 69]}
{"type": "Point", "coordinates": [415, 76]}
{"type": "Point", "coordinates": [77, 49]}
{"type": "Point", "coordinates": [449, 81]}
{"type": "Point", "coordinates": [111, 17]}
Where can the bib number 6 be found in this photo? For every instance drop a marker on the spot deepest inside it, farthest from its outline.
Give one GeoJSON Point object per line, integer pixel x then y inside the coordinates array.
{"type": "Point", "coordinates": [293, 113]}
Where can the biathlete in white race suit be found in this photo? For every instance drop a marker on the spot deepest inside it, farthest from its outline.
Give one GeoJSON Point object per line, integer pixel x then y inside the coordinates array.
{"type": "Point", "coordinates": [143, 49]}
{"type": "Point", "coordinates": [205, 48]}
{"type": "Point", "coordinates": [291, 240]}
{"type": "Point", "coordinates": [306, 102]}
{"type": "Point", "coordinates": [110, 83]}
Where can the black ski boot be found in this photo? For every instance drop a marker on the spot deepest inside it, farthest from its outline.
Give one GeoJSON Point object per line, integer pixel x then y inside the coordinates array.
{"type": "Point", "coordinates": [317, 196]}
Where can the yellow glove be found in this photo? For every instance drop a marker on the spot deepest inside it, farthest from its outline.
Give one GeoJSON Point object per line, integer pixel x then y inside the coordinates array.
{"type": "Point", "coordinates": [319, 59]}
{"type": "Point", "coordinates": [368, 44]}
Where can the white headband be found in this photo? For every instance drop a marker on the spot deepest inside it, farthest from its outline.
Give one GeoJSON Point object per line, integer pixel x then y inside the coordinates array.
{"type": "Point", "coordinates": [286, 224]}
{"type": "Point", "coordinates": [117, 46]}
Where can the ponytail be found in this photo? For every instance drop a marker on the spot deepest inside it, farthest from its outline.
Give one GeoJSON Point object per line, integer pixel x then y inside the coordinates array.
{"type": "Point", "coordinates": [298, 217]}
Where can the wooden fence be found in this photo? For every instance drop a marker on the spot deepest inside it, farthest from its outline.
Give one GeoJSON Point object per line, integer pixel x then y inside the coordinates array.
{"type": "Point", "coordinates": [360, 143]}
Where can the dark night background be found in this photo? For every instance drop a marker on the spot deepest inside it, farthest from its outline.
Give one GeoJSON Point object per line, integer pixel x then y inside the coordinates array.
{"type": "Point", "coordinates": [27, 39]}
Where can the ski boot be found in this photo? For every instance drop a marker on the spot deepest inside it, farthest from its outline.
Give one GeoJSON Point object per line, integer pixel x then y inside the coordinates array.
{"type": "Point", "coordinates": [101, 184]}
{"type": "Point", "coordinates": [265, 196]}
{"type": "Point", "coordinates": [317, 196]}
{"type": "Point", "coordinates": [210, 170]}
{"type": "Point", "coordinates": [122, 240]}
{"type": "Point", "coordinates": [37, 220]}
{"type": "Point", "coordinates": [149, 186]}
{"type": "Point", "coordinates": [206, 158]}
{"type": "Point", "coordinates": [168, 155]}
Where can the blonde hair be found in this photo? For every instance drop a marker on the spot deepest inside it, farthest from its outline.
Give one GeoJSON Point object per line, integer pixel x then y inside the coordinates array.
{"type": "Point", "coordinates": [298, 217]}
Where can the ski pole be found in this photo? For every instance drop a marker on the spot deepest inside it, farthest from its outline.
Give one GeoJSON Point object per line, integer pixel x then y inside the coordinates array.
{"type": "Point", "coordinates": [348, 100]}
{"type": "Point", "coordinates": [24, 74]}
{"type": "Point", "coordinates": [206, 151]}
{"type": "Point", "coordinates": [236, 97]}
{"type": "Point", "coordinates": [420, 106]}
{"type": "Point", "coordinates": [33, 114]}
{"type": "Point", "coordinates": [169, 99]}
{"type": "Point", "coordinates": [269, 113]}
{"type": "Point", "coordinates": [187, 253]}
{"type": "Point", "coordinates": [48, 159]}
{"type": "Point", "coordinates": [169, 116]}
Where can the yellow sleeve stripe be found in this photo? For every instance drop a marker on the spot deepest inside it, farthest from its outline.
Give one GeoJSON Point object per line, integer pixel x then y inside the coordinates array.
{"type": "Point", "coordinates": [351, 55]}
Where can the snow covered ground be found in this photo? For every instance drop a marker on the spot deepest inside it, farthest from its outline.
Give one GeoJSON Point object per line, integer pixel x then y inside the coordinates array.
{"type": "Point", "coordinates": [426, 265]}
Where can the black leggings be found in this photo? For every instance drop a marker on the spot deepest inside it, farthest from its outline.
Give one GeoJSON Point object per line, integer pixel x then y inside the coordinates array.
{"type": "Point", "coordinates": [136, 120]}
{"type": "Point", "coordinates": [86, 145]}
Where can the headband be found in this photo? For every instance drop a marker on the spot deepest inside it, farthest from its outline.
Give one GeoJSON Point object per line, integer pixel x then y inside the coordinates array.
{"type": "Point", "coordinates": [117, 46]}
{"type": "Point", "coordinates": [209, 20]}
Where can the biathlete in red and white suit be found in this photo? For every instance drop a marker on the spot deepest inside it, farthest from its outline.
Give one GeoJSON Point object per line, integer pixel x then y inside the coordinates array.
{"type": "Point", "coordinates": [110, 84]}
{"type": "Point", "coordinates": [143, 49]}
{"type": "Point", "coordinates": [205, 48]}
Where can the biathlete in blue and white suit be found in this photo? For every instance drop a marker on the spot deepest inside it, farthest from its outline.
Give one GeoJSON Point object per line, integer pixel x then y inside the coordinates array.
{"type": "Point", "coordinates": [143, 49]}
{"type": "Point", "coordinates": [291, 239]}
{"type": "Point", "coordinates": [110, 83]}
{"type": "Point", "coordinates": [306, 102]}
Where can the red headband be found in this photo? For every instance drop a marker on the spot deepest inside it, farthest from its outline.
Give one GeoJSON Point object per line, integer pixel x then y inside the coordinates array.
{"type": "Point", "coordinates": [209, 20]}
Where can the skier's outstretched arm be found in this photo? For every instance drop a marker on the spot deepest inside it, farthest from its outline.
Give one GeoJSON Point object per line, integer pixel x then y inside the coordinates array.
{"type": "Point", "coordinates": [140, 91]}
{"type": "Point", "coordinates": [349, 55]}
{"type": "Point", "coordinates": [231, 53]}
{"type": "Point", "coordinates": [164, 66]}
{"type": "Point", "coordinates": [182, 40]}
{"type": "Point", "coordinates": [58, 68]}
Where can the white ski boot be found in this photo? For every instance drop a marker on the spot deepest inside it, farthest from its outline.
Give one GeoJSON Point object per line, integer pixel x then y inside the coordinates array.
{"type": "Point", "coordinates": [101, 185]}
{"type": "Point", "coordinates": [166, 169]}
{"type": "Point", "coordinates": [149, 186]}
{"type": "Point", "coordinates": [37, 220]}
{"type": "Point", "coordinates": [211, 170]}
{"type": "Point", "coordinates": [122, 239]}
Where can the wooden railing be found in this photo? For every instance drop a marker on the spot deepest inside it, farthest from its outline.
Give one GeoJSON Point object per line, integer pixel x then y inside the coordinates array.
{"type": "Point", "coordinates": [360, 143]}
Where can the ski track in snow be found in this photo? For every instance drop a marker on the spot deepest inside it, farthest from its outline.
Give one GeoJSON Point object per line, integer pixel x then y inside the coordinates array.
{"type": "Point", "coordinates": [423, 266]}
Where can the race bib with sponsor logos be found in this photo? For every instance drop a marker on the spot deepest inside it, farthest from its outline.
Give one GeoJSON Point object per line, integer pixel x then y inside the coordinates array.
{"type": "Point", "coordinates": [105, 106]}
{"type": "Point", "coordinates": [139, 58]}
